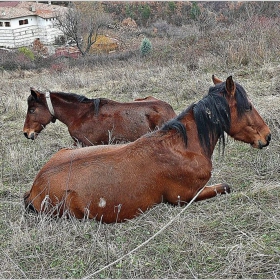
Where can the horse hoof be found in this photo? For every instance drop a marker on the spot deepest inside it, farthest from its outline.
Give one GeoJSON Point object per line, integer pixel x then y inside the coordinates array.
{"type": "Point", "coordinates": [226, 188]}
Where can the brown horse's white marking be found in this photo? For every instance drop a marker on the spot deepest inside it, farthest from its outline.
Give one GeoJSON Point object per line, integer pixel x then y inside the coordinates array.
{"type": "Point", "coordinates": [117, 182]}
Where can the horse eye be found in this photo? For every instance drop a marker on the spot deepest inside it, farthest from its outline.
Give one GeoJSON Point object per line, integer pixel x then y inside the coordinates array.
{"type": "Point", "coordinates": [31, 111]}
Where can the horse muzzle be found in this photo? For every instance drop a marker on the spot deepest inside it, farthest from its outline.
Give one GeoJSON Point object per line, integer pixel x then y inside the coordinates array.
{"type": "Point", "coordinates": [268, 139]}
{"type": "Point", "coordinates": [260, 144]}
{"type": "Point", "coordinates": [31, 136]}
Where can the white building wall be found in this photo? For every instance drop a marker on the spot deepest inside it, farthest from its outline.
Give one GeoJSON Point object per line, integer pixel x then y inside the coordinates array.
{"type": "Point", "coordinates": [24, 35]}
{"type": "Point", "coordinates": [47, 32]}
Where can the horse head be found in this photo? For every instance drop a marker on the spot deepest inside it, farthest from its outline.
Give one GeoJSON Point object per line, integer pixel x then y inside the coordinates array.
{"type": "Point", "coordinates": [39, 114]}
{"type": "Point", "coordinates": [246, 123]}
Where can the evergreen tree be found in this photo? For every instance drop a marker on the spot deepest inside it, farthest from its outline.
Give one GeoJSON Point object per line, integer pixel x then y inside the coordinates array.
{"type": "Point", "coordinates": [146, 47]}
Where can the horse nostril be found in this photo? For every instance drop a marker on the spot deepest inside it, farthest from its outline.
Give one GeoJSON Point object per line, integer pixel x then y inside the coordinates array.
{"type": "Point", "coordinates": [25, 134]}
{"type": "Point", "coordinates": [268, 137]}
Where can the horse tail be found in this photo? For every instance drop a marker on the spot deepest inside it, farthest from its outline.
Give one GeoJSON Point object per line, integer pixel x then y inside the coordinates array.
{"type": "Point", "coordinates": [27, 203]}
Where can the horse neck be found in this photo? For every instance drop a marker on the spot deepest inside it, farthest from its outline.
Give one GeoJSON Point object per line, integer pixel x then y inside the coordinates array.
{"type": "Point", "coordinates": [66, 111]}
{"type": "Point", "coordinates": [194, 143]}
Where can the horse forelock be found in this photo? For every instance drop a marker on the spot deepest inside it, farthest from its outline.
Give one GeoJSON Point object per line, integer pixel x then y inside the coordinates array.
{"type": "Point", "coordinates": [37, 100]}
{"type": "Point", "coordinates": [243, 103]}
{"type": "Point", "coordinates": [30, 98]}
{"type": "Point", "coordinates": [219, 88]}
{"type": "Point", "coordinates": [212, 117]}
{"type": "Point", "coordinates": [240, 95]}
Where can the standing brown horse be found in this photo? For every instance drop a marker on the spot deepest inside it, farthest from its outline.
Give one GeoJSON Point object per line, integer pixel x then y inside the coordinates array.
{"type": "Point", "coordinates": [95, 121]}
{"type": "Point", "coordinates": [117, 182]}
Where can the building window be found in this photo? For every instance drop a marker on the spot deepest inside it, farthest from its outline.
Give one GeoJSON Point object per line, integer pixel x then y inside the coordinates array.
{"type": "Point", "coordinates": [7, 24]}
{"type": "Point", "coordinates": [23, 21]}
{"type": "Point", "coordinates": [1, 23]}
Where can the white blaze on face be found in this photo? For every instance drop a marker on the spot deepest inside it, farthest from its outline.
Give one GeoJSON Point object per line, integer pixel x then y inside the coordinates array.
{"type": "Point", "coordinates": [102, 202]}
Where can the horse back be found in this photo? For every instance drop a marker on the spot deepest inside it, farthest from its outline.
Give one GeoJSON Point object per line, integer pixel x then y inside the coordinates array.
{"type": "Point", "coordinates": [117, 122]}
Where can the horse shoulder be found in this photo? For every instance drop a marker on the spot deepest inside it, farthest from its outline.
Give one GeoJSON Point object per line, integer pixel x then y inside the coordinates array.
{"type": "Point", "coordinates": [198, 164]}
{"type": "Point", "coordinates": [185, 163]}
{"type": "Point", "coordinates": [185, 174]}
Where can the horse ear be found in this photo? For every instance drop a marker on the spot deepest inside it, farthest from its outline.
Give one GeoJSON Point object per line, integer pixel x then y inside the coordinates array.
{"type": "Point", "coordinates": [230, 86]}
{"type": "Point", "coordinates": [34, 93]}
{"type": "Point", "coordinates": [216, 80]}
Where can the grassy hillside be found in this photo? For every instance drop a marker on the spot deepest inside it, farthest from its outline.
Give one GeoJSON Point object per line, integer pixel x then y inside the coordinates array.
{"type": "Point", "coordinates": [230, 236]}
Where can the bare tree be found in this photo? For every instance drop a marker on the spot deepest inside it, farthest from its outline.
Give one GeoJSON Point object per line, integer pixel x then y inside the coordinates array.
{"type": "Point", "coordinates": [82, 23]}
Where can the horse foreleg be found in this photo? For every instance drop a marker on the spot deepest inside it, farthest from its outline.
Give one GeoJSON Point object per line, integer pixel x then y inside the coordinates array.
{"type": "Point", "coordinates": [211, 191]}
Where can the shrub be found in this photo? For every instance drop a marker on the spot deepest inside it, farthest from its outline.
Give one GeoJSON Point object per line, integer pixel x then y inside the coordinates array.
{"type": "Point", "coordinates": [145, 13]}
{"type": "Point", "coordinates": [13, 60]}
{"type": "Point", "coordinates": [195, 11]}
{"type": "Point", "coordinates": [27, 52]}
{"type": "Point", "coordinates": [146, 47]}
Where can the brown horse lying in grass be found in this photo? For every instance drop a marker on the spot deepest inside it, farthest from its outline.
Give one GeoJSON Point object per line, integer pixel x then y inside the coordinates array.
{"type": "Point", "coordinates": [117, 182]}
{"type": "Point", "coordinates": [95, 121]}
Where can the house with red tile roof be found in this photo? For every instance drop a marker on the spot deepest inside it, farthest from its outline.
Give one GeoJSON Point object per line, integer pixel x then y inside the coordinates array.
{"type": "Point", "coordinates": [22, 22]}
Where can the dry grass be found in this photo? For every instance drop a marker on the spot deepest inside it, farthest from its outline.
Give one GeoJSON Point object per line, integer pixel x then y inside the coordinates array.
{"type": "Point", "coordinates": [231, 236]}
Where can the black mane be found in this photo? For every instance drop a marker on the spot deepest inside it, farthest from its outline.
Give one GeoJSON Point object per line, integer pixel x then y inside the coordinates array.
{"type": "Point", "coordinates": [212, 115]}
{"type": "Point", "coordinates": [177, 125]}
{"type": "Point", "coordinates": [73, 97]}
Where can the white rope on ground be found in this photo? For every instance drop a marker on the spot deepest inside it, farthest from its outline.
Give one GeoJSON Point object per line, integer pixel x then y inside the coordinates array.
{"type": "Point", "coordinates": [148, 240]}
